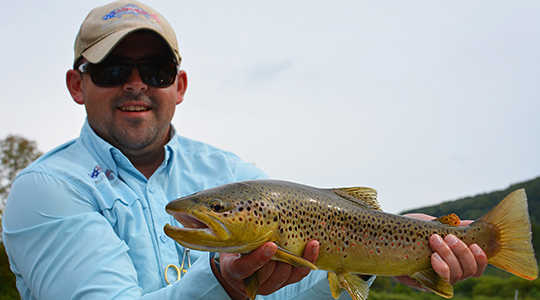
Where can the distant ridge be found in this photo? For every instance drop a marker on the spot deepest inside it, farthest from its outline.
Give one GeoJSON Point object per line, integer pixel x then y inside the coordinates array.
{"type": "Point", "coordinates": [471, 208]}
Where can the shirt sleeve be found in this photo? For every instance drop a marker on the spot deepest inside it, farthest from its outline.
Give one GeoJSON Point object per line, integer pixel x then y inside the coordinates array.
{"type": "Point", "coordinates": [61, 247]}
{"type": "Point", "coordinates": [249, 171]}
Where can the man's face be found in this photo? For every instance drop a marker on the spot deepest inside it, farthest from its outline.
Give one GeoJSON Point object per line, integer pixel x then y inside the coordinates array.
{"type": "Point", "coordinates": [134, 117]}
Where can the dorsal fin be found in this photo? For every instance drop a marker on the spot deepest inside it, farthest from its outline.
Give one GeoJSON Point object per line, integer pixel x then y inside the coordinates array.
{"type": "Point", "coordinates": [450, 219]}
{"type": "Point", "coordinates": [363, 196]}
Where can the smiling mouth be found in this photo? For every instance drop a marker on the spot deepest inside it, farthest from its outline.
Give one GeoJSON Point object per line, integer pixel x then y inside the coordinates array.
{"type": "Point", "coordinates": [134, 108]}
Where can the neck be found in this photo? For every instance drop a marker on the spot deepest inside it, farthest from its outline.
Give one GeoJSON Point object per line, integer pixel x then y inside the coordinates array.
{"type": "Point", "coordinates": [148, 168]}
{"type": "Point", "coordinates": [148, 160]}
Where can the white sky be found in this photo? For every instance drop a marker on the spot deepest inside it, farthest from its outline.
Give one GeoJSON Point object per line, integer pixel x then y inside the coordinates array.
{"type": "Point", "coordinates": [425, 101]}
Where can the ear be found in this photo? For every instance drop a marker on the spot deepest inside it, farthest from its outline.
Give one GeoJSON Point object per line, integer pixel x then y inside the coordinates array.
{"type": "Point", "coordinates": [74, 85]}
{"type": "Point", "coordinates": [181, 83]}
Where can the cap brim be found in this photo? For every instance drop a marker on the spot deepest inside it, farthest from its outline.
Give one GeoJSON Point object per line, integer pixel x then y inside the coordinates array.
{"type": "Point", "coordinates": [100, 50]}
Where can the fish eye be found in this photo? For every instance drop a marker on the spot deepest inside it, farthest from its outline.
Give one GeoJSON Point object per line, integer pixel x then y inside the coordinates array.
{"type": "Point", "coordinates": [217, 206]}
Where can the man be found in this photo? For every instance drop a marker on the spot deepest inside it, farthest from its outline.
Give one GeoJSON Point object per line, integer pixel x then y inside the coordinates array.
{"type": "Point", "coordinates": [86, 220]}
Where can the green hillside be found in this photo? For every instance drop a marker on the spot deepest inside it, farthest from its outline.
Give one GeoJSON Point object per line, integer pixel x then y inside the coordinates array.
{"type": "Point", "coordinates": [471, 208]}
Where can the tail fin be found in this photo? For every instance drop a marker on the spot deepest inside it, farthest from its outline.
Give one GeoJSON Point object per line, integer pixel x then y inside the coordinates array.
{"type": "Point", "coordinates": [511, 216]}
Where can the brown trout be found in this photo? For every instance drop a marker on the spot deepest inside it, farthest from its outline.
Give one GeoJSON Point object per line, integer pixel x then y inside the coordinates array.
{"type": "Point", "coordinates": [355, 235]}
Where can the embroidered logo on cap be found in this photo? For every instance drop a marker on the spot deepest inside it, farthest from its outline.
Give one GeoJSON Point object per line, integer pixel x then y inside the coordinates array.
{"type": "Point", "coordinates": [130, 9]}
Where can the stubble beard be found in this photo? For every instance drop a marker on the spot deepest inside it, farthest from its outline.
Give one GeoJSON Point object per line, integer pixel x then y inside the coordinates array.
{"type": "Point", "coordinates": [139, 136]}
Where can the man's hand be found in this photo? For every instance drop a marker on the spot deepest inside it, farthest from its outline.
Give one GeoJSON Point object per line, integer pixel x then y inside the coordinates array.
{"type": "Point", "coordinates": [452, 258]}
{"type": "Point", "coordinates": [273, 276]}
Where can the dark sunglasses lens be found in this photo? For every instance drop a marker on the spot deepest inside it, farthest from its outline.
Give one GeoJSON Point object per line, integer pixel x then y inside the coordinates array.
{"type": "Point", "coordinates": [158, 73]}
{"type": "Point", "coordinates": [110, 73]}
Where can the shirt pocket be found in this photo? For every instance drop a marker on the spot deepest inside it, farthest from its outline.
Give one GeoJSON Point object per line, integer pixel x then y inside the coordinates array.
{"type": "Point", "coordinates": [111, 190]}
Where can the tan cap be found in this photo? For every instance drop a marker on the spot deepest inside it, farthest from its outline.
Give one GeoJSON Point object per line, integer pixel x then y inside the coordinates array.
{"type": "Point", "coordinates": [106, 26]}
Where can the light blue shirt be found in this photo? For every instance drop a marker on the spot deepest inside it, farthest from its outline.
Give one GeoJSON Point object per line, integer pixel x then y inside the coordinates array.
{"type": "Point", "coordinates": [82, 223]}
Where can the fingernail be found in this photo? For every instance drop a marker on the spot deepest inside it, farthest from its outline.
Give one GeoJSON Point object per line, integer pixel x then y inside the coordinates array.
{"type": "Point", "coordinates": [437, 240]}
{"type": "Point", "coordinates": [269, 251]}
{"type": "Point", "coordinates": [316, 247]}
{"type": "Point", "coordinates": [451, 240]}
{"type": "Point", "coordinates": [476, 250]}
{"type": "Point", "coordinates": [436, 256]}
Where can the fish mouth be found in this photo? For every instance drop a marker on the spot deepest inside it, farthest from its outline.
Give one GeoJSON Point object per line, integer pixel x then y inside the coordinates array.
{"type": "Point", "coordinates": [190, 222]}
{"type": "Point", "coordinates": [196, 225]}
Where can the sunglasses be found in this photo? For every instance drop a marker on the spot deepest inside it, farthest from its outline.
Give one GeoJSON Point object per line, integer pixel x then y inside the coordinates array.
{"type": "Point", "coordinates": [115, 72]}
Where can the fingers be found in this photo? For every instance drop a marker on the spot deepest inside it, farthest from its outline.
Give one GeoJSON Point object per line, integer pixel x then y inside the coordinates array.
{"type": "Point", "coordinates": [465, 222]}
{"type": "Point", "coordinates": [273, 275]}
{"type": "Point", "coordinates": [284, 274]}
{"type": "Point", "coordinates": [420, 216]}
{"type": "Point", "coordinates": [311, 252]}
{"type": "Point", "coordinates": [481, 259]}
{"type": "Point", "coordinates": [408, 281]}
{"type": "Point", "coordinates": [454, 260]}
{"type": "Point", "coordinates": [236, 267]}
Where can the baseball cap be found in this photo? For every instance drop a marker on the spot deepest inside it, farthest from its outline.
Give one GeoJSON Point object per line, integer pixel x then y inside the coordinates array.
{"type": "Point", "coordinates": [107, 25]}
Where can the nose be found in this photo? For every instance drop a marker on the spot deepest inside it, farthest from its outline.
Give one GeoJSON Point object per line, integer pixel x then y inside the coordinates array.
{"type": "Point", "coordinates": [135, 83]}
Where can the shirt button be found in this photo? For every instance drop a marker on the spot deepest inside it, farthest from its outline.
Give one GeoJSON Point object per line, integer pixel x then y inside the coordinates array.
{"type": "Point", "coordinates": [164, 238]}
{"type": "Point", "coordinates": [151, 189]}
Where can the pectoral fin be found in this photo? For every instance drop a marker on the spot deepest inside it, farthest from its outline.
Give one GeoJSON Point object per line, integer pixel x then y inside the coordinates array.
{"type": "Point", "coordinates": [334, 285]}
{"type": "Point", "coordinates": [292, 259]}
{"type": "Point", "coordinates": [358, 289]}
{"type": "Point", "coordinates": [252, 285]}
{"type": "Point", "coordinates": [429, 279]}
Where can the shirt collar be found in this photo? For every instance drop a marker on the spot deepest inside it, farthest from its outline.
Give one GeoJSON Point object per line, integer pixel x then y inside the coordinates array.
{"type": "Point", "coordinates": [110, 157]}
{"type": "Point", "coordinates": [102, 151]}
